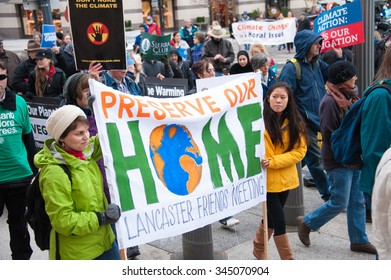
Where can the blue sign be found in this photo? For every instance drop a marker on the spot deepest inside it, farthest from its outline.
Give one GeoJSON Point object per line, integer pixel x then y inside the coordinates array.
{"type": "Point", "coordinates": [48, 36]}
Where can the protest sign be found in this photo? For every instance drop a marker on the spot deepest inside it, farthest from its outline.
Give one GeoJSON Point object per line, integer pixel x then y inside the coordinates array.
{"type": "Point", "coordinates": [178, 164]}
{"type": "Point", "coordinates": [39, 109]}
{"type": "Point", "coordinates": [267, 32]}
{"type": "Point", "coordinates": [166, 88]}
{"type": "Point", "coordinates": [98, 33]}
{"type": "Point", "coordinates": [208, 83]}
{"type": "Point", "coordinates": [48, 36]}
{"type": "Point", "coordinates": [154, 46]}
{"type": "Point", "coordinates": [340, 27]}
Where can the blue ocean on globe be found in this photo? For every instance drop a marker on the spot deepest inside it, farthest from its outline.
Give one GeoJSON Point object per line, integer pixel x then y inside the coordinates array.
{"type": "Point", "coordinates": [176, 158]}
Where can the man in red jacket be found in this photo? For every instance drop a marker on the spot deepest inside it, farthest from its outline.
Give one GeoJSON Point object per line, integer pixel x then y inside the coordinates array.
{"type": "Point", "coordinates": [153, 27]}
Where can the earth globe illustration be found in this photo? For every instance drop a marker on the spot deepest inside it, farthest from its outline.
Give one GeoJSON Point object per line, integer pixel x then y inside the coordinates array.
{"type": "Point", "coordinates": [176, 158]}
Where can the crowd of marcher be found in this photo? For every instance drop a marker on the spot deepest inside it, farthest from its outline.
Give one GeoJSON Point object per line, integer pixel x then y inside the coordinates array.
{"type": "Point", "coordinates": [295, 111]}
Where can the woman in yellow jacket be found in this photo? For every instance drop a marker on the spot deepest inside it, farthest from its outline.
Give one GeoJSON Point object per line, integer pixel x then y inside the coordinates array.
{"type": "Point", "coordinates": [286, 145]}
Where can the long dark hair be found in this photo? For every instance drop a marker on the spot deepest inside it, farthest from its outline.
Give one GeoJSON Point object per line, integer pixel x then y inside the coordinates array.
{"type": "Point", "coordinates": [273, 124]}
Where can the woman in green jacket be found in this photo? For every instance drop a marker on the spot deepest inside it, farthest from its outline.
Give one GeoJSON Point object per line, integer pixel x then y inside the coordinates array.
{"type": "Point", "coordinates": [77, 209]}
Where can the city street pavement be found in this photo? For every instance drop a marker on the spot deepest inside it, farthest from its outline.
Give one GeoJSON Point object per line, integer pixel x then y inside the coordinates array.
{"type": "Point", "coordinates": [331, 242]}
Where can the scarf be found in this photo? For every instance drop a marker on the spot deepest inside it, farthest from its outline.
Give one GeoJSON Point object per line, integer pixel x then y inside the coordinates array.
{"type": "Point", "coordinates": [76, 154]}
{"type": "Point", "coordinates": [343, 100]}
{"type": "Point", "coordinates": [51, 73]}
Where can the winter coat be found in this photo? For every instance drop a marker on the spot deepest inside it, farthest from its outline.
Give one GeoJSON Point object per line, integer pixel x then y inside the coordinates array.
{"type": "Point", "coordinates": [53, 88]}
{"type": "Point", "coordinates": [310, 89]}
{"type": "Point", "coordinates": [72, 207]}
{"type": "Point", "coordinates": [22, 74]}
{"type": "Point", "coordinates": [282, 172]}
{"type": "Point", "coordinates": [196, 53]}
{"type": "Point", "coordinates": [223, 47]}
{"type": "Point", "coordinates": [151, 69]}
{"type": "Point", "coordinates": [130, 84]}
{"type": "Point", "coordinates": [12, 60]}
{"type": "Point", "coordinates": [381, 207]}
{"type": "Point", "coordinates": [375, 133]}
{"type": "Point", "coordinates": [188, 35]}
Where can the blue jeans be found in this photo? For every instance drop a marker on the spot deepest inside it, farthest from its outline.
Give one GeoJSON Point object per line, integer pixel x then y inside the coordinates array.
{"type": "Point", "coordinates": [345, 193]}
{"type": "Point", "coordinates": [313, 160]}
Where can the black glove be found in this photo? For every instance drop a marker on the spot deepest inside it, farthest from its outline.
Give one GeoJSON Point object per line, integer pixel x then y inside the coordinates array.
{"type": "Point", "coordinates": [110, 216]}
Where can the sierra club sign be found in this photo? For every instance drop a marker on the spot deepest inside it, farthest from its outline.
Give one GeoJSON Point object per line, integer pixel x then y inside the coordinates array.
{"type": "Point", "coordinates": [178, 164]}
{"type": "Point", "coordinates": [155, 47]}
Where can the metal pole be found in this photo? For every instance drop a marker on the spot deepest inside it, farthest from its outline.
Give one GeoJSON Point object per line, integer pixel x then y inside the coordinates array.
{"type": "Point", "coordinates": [46, 12]}
{"type": "Point", "coordinates": [294, 205]}
{"type": "Point", "coordinates": [198, 244]}
{"type": "Point", "coordinates": [364, 54]}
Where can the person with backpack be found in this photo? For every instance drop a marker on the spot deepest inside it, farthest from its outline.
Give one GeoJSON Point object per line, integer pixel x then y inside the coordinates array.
{"type": "Point", "coordinates": [17, 149]}
{"type": "Point", "coordinates": [345, 180]}
{"type": "Point", "coordinates": [309, 89]}
{"type": "Point", "coordinates": [376, 125]}
{"type": "Point", "coordinates": [78, 210]}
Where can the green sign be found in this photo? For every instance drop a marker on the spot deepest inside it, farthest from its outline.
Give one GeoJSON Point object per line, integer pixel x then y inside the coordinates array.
{"type": "Point", "coordinates": [154, 46]}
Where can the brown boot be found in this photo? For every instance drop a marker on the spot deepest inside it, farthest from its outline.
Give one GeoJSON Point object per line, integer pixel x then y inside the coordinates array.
{"type": "Point", "coordinates": [259, 244]}
{"type": "Point", "coordinates": [283, 247]}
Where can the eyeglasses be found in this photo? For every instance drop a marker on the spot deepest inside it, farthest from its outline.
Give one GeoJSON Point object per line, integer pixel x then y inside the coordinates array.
{"type": "Point", "coordinates": [3, 76]}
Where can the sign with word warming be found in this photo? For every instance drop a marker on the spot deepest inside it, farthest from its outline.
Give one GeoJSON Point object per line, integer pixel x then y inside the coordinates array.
{"type": "Point", "coordinates": [166, 88]}
{"type": "Point", "coordinates": [341, 26]}
{"type": "Point", "coordinates": [98, 33]}
{"type": "Point", "coordinates": [268, 32]}
{"type": "Point", "coordinates": [178, 164]}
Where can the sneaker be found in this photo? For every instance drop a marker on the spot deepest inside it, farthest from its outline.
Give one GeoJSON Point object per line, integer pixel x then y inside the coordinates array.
{"type": "Point", "coordinates": [309, 182]}
{"type": "Point", "coordinates": [229, 222]}
{"type": "Point", "coordinates": [363, 248]}
{"type": "Point", "coordinates": [303, 231]}
{"type": "Point", "coordinates": [132, 252]}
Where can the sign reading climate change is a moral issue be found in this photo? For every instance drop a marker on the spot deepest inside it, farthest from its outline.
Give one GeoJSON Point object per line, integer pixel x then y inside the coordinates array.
{"type": "Point", "coordinates": [267, 32]}
{"type": "Point", "coordinates": [341, 26]}
{"type": "Point", "coordinates": [178, 164]}
{"type": "Point", "coordinates": [98, 33]}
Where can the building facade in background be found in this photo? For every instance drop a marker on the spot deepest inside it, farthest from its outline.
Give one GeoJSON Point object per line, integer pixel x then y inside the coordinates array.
{"type": "Point", "coordinates": [19, 19]}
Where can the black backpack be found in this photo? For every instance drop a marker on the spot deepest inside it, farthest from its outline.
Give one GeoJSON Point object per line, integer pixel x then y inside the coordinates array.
{"type": "Point", "coordinates": [36, 215]}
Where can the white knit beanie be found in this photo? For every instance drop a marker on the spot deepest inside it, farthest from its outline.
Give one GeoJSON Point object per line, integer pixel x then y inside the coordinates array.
{"type": "Point", "coordinates": [60, 119]}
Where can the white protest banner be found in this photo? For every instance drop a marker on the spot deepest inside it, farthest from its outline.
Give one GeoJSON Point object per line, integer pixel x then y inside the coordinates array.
{"type": "Point", "coordinates": [178, 164]}
{"type": "Point", "coordinates": [208, 83]}
{"type": "Point", "coordinates": [341, 26]}
{"type": "Point", "coordinates": [265, 32]}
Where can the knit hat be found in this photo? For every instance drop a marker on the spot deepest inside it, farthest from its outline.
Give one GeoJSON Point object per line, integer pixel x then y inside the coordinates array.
{"type": "Point", "coordinates": [70, 88]}
{"type": "Point", "coordinates": [341, 71]}
{"type": "Point", "coordinates": [60, 120]}
{"type": "Point", "coordinates": [59, 35]}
